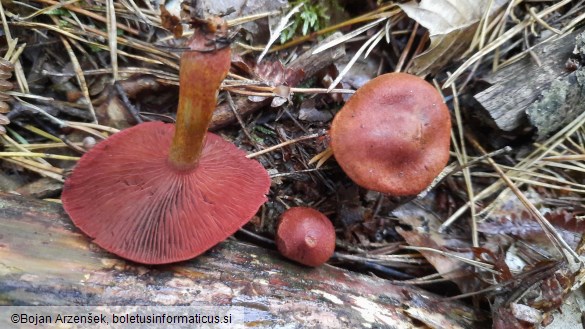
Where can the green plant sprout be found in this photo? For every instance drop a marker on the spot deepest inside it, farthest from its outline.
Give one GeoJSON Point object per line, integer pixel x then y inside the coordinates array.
{"type": "Point", "coordinates": [312, 17]}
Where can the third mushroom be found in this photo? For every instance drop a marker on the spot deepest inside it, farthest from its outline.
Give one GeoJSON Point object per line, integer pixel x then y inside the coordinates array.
{"type": "Point", "coordinates": [305, 235]}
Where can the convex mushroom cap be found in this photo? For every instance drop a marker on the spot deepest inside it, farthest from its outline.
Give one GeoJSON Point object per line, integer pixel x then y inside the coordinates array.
{"type": "Point", "coordinates": [393, 135]}
{"type": "Point", "coordinates": [306, 236]}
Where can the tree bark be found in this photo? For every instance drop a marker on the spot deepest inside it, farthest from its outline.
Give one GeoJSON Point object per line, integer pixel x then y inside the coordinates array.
{"type": "Point", "coordinates": [544, 95]}
{"type": "Point", "coordinates": [45, 260]}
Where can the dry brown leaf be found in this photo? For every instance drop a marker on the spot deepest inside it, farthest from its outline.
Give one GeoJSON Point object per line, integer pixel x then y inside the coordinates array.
{"type": "Point", "coordinates": [537, 291]}
{"type": "Point", "coordinates": [451, 25]}
{"type": "Point", "coordinates": [424, 233]}
{"type": "Point", "coordinates": [171, 22]}
{"type": "Point", "coordinates": [508, 216]}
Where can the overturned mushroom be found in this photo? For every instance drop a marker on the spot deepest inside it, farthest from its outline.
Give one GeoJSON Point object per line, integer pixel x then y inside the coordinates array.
{"type": "Point", "coordinates": [393, 135]}
{"type": "Point", "coordinates": [159, 193]}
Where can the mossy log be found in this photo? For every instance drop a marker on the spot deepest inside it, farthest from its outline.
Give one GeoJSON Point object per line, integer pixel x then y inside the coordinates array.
{"type": "Point", "coordinates": [45, 260]}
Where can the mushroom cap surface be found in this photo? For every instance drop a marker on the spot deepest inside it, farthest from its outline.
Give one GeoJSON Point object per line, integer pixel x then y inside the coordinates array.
{"type": "Point", "coordinates": [393, 135]}
{"type": "Point", "coordinates": [306, 236]}
{"type": "Point", "coordinates": [131, 202]}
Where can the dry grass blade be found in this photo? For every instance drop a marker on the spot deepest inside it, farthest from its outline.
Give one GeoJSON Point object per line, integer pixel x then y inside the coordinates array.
{"type": "Point", "coordinates": [570, 255]}
{"type": "Point", "coordinates": [453, 168]}
{"type": "Point", "coordinates": [281, 145]}
{"type": "Point", "coordinates": [284, 22]}
{"type": "Point", "coordinates": [461, 152]}
{"type": "Point", "coordinates": [529, 163]}
{"type": "Point", "coordinates": [124, 72]}
{"type": "Point", "coordinates": [348, 36]}
{"type": "Point", "coordinates": [573, 23]}
{"type": "Point", "coordinates": [406, 49]}
{"type": "Point", "coordinates": [452, 26]}
{"type": "Point", "coordinates": [387, 260]}
{"type": "Point", "coordinates": [532, 12]}
{"type": "Point", "coordinates": [372, 40]}
{"type": "Point", "coordinates": [133, 8]}
{"type": "Point", "coordinates": [80, 77]}
{"type": "Point", "coordinates": [375, 42]}
{"type": "Point", "coordinates": [158, 56]}
{"type": "Point", "coordinates": [478, 264]}
{"type": "Point", "coordinates": [112, 38]}
{"type": "Point", "coordinates": [296, 172]}
{"type": "Point", "coordinates": [38, 155]}
{"type": "Point", "coordinates": [251, 18]}
{"type": "Point", "coordinates": [40, 146]}
{"type": "Point", "coordinates": [518, 28]}
{"type": "Point", "coordinates": [321, 157]}
{"type": "Point", "coordinates": [68, 34]}
{"type": "Point", "coordinates": [41, 133]}
{"type": "Point", "coordinates": [561, 158]}
{"type": "Point", "coordinates": [427, 279]}
{"type": "Point", "coordinates": [12, 142]}
{"type": "Point", "coordinates": [39, 110]}
{"type": "Point", "coordinates": [234, 109]}
{"type": "Point", "coordinates": [95, 127]}
{"type": "Point", "coordinates": [255, 86]}
{"type": "Point", "coordinates": [48, 9]}
{"type": "Point", "coordinates": [91, 15]}
{"type": "Point", "coordinates": [43, 170]}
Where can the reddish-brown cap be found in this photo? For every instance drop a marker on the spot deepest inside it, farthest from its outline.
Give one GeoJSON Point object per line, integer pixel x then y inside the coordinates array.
{"type": "Point", "coordinates": [393, 135]}
{"type": "Point", "coordinates": [125, 196]}
{"type": "Point", "coordinates": [305, 235]}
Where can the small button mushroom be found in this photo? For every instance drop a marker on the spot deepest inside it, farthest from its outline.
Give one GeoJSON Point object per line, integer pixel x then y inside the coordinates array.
{"type": "Point", "coordinates": [393, 135]}
{"type": "Point", "coordinates": [306, 236]}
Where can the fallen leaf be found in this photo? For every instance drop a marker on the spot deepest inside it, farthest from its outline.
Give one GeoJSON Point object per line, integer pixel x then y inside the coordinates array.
{"type": "Point", "coordinates": [497, 260]}
{"type": "Point", "coordinates": [552, 291]}
{"type": "Point", "coordinates": [451, 25]}
{"type": "Point", "coordinates": [271, 73]}
{"type": "Point", "coordinates": [504, 319]}
{"type": "Point", "coordinates": [113, 113]}
{"type": "Point", "coordinates": [309, 112]}
{"type": "Point", "coordinates": [425, 233]}
{"type": "Point", "coordinates": [526, 313]}
{"type": "Point", "coordinates": [436, 315]}
{"type": "Point", "coordinates": [274, 73]}
{"type": "Point", "coordinates": [539, 289]}
{"type": "Point", "coordinates": [524, 226]}
{"type": "Point", "coordinates": [278, 101]}
{"type": "Point", "coordinates": [508, 216]}
{"type": "Point", "coordinates": [41, 188]}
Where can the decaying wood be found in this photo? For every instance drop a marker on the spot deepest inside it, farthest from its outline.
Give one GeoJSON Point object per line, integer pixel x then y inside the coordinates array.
{"type": "Point", "coordinates": [308, 62]}
{"type": "Point", "coordinates": [44, 260]}
{"type": "Point", "coordinates": [545, 93]}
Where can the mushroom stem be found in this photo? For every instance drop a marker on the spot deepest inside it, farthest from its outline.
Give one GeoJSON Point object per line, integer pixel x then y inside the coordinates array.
{"type": "Point", "coordinates": [203, 68]}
